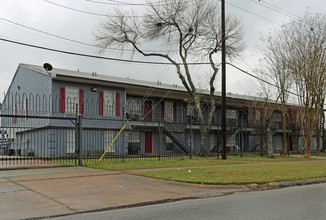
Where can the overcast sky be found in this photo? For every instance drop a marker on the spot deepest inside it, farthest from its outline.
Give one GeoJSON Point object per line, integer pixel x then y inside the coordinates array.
{"type": "Point", "coordinates": [258, 19]}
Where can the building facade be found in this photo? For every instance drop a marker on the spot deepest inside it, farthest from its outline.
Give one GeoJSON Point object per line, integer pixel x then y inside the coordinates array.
{"type": "Point", "coordinates": [40, 111]}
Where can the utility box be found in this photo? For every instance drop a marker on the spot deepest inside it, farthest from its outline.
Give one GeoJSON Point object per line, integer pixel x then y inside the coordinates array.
{"type": "Point", "coordinates": [26, 152]}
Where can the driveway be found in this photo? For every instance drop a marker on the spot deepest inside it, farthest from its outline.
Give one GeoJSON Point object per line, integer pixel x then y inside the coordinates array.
{"type": "Point", "coordinates": [61, 191]}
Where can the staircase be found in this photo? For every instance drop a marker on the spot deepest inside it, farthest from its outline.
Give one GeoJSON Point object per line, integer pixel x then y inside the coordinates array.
{"type": "Point", "coordinates": [177, 139]}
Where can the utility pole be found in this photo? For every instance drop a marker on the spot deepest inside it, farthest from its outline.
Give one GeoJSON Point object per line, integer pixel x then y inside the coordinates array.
{"type": "Point", "coordinates": [223, 82]}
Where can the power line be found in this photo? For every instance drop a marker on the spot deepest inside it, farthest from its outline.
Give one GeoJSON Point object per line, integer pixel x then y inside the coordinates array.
{"type": "Point", "coordinates": [257, 15]}
{"type": "Point", "coordinates": [276, 9]}
{"type": "Point", "coordinates": [117, 3]}
{"type": "Point", "coordinates": [74, 9]}
{"type": "Point", "coordinates": [47, 33]}
{"type": "Point", "coordinates": [265, 2]}
{"type": "Point", "coordinates": [93, 56]}
{"type": "Point", "coordinates": [260, 79]}
{"type": "Point", "coordinates": [133, 61]}
{"type": "Point", "coordinates": [72, 40]}
{"type": "Point", "coordinates": [113, 2]}
{"type": "Point", "coordinates": [83, 11]}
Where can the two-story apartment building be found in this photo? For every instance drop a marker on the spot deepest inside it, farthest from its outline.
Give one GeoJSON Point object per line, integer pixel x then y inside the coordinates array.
{"type": "Point", "coordinates": [41, 105]}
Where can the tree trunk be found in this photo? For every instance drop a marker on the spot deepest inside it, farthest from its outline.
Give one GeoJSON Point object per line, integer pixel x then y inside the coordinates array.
{"type": "Point", "coordinates": [319, 126]}
{"type": "Point", "coordinates": [323, 132]}
{"type": "Point", "coordinates": [317, 136]}
{"type": "Point", "coordinates": [204, 150]}
{"type": "Point", "coordinates": [269, 142]}
{"type": "Point", "coordinates": [284, 134]}
{"type": "Point", "coordinates": [308, 145]}
{"type": "Point", "coordinates": [295, 139]}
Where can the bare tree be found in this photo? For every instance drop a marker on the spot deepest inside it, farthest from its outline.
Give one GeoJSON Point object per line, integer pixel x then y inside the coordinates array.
{"type": "Point", "coordinates": [302, 47]}
{"type": "Point", "coordinates": [261, 114]}
{"type": "Point", "coordinates": [278, 73]}
{"type": "Point", "coordinates": [255, 111]}
{"type": "Point", "coordinates": [268, 107]}
{"type": "Point", "coordinates": [192, 28]}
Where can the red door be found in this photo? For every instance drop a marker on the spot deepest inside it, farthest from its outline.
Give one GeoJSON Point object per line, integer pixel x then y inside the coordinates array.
{"type": "Point", "coordinates": [148, 142]}
{"type": "Point", "coordinates": [148, 110]}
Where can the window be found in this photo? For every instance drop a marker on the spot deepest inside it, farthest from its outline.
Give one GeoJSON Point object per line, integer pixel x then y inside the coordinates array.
{"type": "Point", "coordinates": [14, 113]}
{"type": "Point", "coordinates": [212, 141]}
{"type": "Point", "coordinates": [133, 108]}
{"type": "Point", "coordinates": [168, 111]}
{"type": "Point", "coordinates": [25, 108]}
{"type": "Point", "coordinates": [71, 99]}
{"type": "Point", "coordinates": [278, 119]}
{"type": "Point", "coordinates": [190, 110]}
{"type": "Point", "coordinates": [231, 117]}
{"type": "Point", "coordinates": [71, 140]}
{"type": "Point", "coordinates": [108, 138]}
{"type": "Point", "coordinates": [277, 143]}
{"type": "Point", "coordinates": [109, 103]}
{"type": "Point", "coordinates": [134, 143]}
{"type": "Point", "coordinates": [231, 114]}
{"type": "Point", "coordinates": [23, 137]}
{"type": "Point", "coordinates": [169, 144]}
{"type": "Point", "coordinates": [190, 140]}
{"type": "Point", "coordinates": [134, 137]}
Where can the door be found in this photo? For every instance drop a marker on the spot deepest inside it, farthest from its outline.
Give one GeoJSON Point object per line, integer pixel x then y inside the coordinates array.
{"type": "Point", "coordinates": [148, 142]}
{"type": "Point", "coordinates": [148, 110]}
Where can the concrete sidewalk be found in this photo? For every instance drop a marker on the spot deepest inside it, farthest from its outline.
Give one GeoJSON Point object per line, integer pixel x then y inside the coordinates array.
{"type": "Point", "coordinates": [49, 192]}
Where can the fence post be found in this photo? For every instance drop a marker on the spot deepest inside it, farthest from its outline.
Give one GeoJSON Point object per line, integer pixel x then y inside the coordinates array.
{"type": "Point", "coordinates": [80, 152]}
{"type": "Point", "coordinates": [76, 136]}
{"type": "Point", "coordinates": [242, 137]}
{"type": "Point", "coordinates": [159, 135]}
{"type": "Point", "coordinates": [123, 135]}
{"type": "Point", "coordinates": [191, 138]}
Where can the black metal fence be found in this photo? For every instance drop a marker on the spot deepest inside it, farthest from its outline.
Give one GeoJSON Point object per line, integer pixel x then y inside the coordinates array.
{"type": "Point", "coordinates": [37, 130]}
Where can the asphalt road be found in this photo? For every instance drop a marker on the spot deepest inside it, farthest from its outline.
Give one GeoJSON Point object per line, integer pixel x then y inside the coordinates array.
{"type": "Point", "coordinates": [300, 202]}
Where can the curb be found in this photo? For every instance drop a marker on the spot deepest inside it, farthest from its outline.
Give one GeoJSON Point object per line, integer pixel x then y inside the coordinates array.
{"type": "Point", "coordinates": [284, 184]}
{"type": "Point", "coordinates": [134, 205]}
{"type": "Point", "coordinates": [24, 167]}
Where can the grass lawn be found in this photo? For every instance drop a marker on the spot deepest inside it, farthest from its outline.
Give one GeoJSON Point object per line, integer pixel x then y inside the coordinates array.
{"type": "Point", "coordinates": [182, 162]}
{"type": "Point", "coordinates": [164, 163]}
{"type": "Point", "coordinates": [261, 173]}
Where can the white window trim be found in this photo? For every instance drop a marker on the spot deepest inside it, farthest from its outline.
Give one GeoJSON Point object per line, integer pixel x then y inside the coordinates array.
{"type": "Point", "coordinates": [71, 100]}
{"type": "Point", "coordinates": [168, 111]}
{"type": "Point", "coordinates": [109, 106]}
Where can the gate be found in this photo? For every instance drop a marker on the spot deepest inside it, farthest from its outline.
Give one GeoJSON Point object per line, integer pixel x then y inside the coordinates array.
{"type": "Point", "coordinates": [28, 141]}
